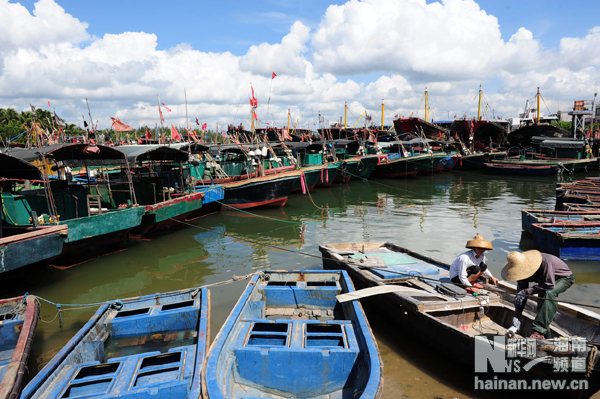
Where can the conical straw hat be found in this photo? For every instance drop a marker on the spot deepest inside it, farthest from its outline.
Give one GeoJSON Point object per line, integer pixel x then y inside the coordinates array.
{"type": "Point", "coordinates": [521, 265]}
{"type": "Point", "coordinates": [479, 242]}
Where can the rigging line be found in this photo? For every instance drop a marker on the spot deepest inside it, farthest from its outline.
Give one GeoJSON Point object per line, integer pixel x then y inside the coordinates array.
{"type": "Point", "coordinates": [263, 217]}
{"type": "Point", "coordinates": [469, 106]}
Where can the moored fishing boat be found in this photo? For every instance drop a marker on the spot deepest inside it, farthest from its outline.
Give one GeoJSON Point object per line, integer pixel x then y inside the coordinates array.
{"type": "Point", "coordinates": [25, 244]}
{"type": "Point", "coordinates": [289, 337]}
{"type": "Point", "coordinates": [18, 320]}
{"type": "Point", "coordinates": [152, 345]}
{"type": "Point", "coordinates": [406, 282]}
{"type": "Point", "coordinates": [271, 191]}
{"type": "Point", "coordinates": [531, 216]}
{"type": "Point", "coordinates": [393, 165]}
{"type": "Point", "coordinates": [569, 241]}
{"type": "Point", "coordinates": [97, 217]}
{"type": "Point", "coordinates": [520, 170]}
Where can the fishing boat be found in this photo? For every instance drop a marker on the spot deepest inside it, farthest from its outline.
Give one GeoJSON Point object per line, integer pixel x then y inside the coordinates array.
{"type": "Point", "coordinates": [590, 207]}
{"type": "Point", "coordinates": [531, 216]}
{"type": "Point", "coordinates": [148, 346]}
{"type": "Point", "coordinates": [568, 241]}
{"type": "Point", "coordinates": [18, 320]}
{"type": "Point", "coordinates": [564, 197]}
{"type": "Point", "coordinates": [520, 170]}
{"type": "Point", "coordinates": [289, 337]}
{"type": "Point", "coordinates": [269, 191]}
{"type": "Point", "coordinates": [26, 244]}
{"type": "Point", "coordinates": [97, 216]}
{"type": "Point", "coordinates": [405, 287]}
{"type": "Point", "coordinates": [161, 187]}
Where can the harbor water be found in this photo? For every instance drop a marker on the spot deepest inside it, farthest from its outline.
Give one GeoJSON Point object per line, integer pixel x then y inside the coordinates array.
{"type": "Point", "coordinates": [434, 215]}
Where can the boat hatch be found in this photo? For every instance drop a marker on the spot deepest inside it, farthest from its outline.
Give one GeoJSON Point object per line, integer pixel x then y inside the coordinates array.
{"type": "Point", "coordinates": [268, 334]}
{"type": "Point", "coordinates": [92, 380]}
{"type": "Point", "coordinates": [324, 335]}
{"type": "Point", "coordinates": [281, 284]}
{"type": "Point", "coordinates": [321, 283]}
{"type": "Point", "coordinates": [134, 312]}
{"type": "Point", "coordinates": [159, 369]}
{"type": "Point", "coordinates": [388, 265]}
{"type": "Point", "coordinates": [177, 305]}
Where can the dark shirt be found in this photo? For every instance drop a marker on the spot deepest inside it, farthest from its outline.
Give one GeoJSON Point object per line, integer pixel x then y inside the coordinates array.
{"type": "Point", "coordinates": [551, 269]}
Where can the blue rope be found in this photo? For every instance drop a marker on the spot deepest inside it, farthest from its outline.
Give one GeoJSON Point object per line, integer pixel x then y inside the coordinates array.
{"type": "Point", "coordinates": [58, 305]}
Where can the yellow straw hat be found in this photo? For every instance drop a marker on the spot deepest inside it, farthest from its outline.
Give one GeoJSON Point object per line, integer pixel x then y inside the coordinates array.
{"type": "Point", "coordinates": [521, 265]}
{"type": "Point", "coordinates": [479, 242]}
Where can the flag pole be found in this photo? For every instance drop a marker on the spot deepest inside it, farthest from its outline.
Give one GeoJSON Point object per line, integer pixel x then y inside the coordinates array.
{"type": "Point", "coordinates": [87, 138]}
{"type": "Point", "coordinates": [159, 117]}
{"type": "Point", "coordinates": [187, 121]}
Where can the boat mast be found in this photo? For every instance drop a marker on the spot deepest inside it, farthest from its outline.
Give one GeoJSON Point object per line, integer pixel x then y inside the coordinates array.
{"type": "Point", "coordinates": [479, 106]}
{"type": "Point", "coordinates": [382, 109]}
{"type": "Point", "coordinates": [426, 113]}
{"type": "Point", "coordinates": [537, 118]}
{"type": "Point", "coordinates": [288, 126]}
{"type": "Point", "coordinates": [345, 114]}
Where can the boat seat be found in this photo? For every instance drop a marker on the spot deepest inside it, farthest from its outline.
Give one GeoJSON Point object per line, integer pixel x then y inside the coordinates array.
{"type": "Point", "coordinates": [300, 356]}
{"type": "Point", "coordinates": [152, 319]}
{"type": "Point", "coordinates": [320, 295]}
{"type": "Point", "coordinates": [129, 377]}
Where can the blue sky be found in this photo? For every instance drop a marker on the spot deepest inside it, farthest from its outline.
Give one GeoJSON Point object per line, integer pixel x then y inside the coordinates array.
{"type": "Point", "coordinates": [121, 54]}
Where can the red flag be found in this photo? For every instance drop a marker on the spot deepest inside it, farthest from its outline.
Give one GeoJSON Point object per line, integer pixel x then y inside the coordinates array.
{"type": "Point", "coordinates": [162, 118]}
{"type": "Point", "coordinates": [48, 104]}
{"type": "Point", "coordinates": [273, 76]}
{"type": "Point", "coordinates": [223, 133]}
{"type": "Point", "coordinates": [175, 134]}
{"type": "Point", "coordinates": [204, 126]}
{"type": "Point", "coordinates": [197, 123]}
{"type": "Point", "coordinates": [255, 117]}
{"type": "Point", "coordinates": [168, 110]}
{"type": "Point", "coordinates": [120, 126]}
{"type": "Point", "coordinates": [148, 135]}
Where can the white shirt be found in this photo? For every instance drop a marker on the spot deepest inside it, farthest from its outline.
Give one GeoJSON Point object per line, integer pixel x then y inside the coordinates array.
{"type": "Point", "coordinates": [464, 261]}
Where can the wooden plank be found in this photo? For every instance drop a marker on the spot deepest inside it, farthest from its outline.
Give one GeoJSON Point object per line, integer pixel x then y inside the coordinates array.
{"type": "Point", "coordinates": [384, 289]}
{"type": "Point", "coordinates": [32, 234]}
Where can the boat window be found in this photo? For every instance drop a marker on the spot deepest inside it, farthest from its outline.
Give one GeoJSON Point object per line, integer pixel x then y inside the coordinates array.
{"type": "Point", "coordinates": [134, 312]}
{"type": "Point", "coordinates": [100, 369]}
{"type": "Point", "coordinates": [177, 305]}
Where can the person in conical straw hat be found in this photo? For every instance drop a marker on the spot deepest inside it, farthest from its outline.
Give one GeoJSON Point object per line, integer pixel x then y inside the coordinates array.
{"type": "Point", "coordinates": [471, 265]}
{"type": "Point", "coordinates": [552, 277]}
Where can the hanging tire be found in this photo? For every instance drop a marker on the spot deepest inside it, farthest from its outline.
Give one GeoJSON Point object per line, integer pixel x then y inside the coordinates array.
{"type": "Point", "coordinates": [360, 166]}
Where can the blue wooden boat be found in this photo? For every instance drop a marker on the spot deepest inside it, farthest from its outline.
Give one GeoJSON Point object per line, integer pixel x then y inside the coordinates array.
{"type": "Point", "coordinates": [531, 216]}
{"type": "Point", "coordinates": [573, 241]}
{"type": "Point", "coordinates": [18, 319]}
{"type": "Point", "coordinates": [148, 346]}
{"type": "Point", "coordinates": [289, 337]}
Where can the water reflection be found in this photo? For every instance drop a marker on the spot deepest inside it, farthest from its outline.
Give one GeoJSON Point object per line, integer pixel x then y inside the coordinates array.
{"type": "Point", "coordinates": [434, 215]}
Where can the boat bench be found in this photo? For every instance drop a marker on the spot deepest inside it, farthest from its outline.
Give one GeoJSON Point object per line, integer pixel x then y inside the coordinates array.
{"type": "Point", "coordinates": [308, 357]}
{"type": "Point", "coordinates": [146, 375]}
{"type": "Point", "coordinates": [145, 320]}
{"type": "Point", "coordinates": [310, 294]}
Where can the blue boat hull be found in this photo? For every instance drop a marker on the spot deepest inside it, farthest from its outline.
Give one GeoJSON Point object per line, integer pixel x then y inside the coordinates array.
{"type": "Point", "coordinates": [288, 336]}
{"type": "Point", "coordinates": [567, 248]}
{"type": "Point", "coordinates": [148, 346]}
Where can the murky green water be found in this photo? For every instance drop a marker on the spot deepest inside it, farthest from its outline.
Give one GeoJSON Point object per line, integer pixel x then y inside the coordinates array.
{"type": "Point", "coordinates": [435, 215]}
